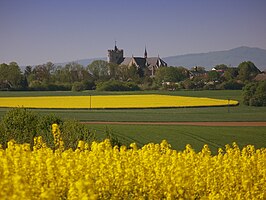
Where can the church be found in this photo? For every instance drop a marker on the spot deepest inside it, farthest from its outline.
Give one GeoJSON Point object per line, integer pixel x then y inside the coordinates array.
{"type": "Point", "coordinates": [116, 56]}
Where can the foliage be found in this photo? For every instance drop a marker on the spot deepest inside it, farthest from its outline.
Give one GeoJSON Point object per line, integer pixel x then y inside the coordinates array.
{"type": "Point", "coordinates": [221, 67]}
{"type": "Point", "coordinates": [254, 94]}
{"type": "Point", "coordinates": [43, 127]}
{"type": "Point", "coordinates": [89, 84]}
{"type": "Point", "coordinates": [18, 124]}
{"type": "Point", "coordinates": [171, 74]}
{"type": "Point", "coordinates": [101, 171]}
{"type": "Point", "coordinates": [114, 140]}
{"type": "Point", "coordinates": [73, 131]}
{"type": "Point", "coordinates": [188, 84]}
{"type": "Point", "coordinates": [231, 73]}
{"type": "Point", "coordinates": [114, 85]}
{"type": "Point", "coordinates": [78, 86]}
{"type": "Point", "coordinates": [42, 86]}
{"type": "Point", "coordinates": [71, 73]}
{"type": "Point", "coordinates": [76, 77]}
{"type": "Point", "coordinates": [99, 69]}
{"type": "Point", "coordinates": [23, 125]}
{"type": "Point", "coordinates": [231, 85]}
{"type": "Point", "coordinates": [42, 73]}
{"type": "Point", "coordinates": [10, 76]}
{"type": "Point", "coordinates": [247, 71]}
{"type": "Point", "coordinates": [213, 75]}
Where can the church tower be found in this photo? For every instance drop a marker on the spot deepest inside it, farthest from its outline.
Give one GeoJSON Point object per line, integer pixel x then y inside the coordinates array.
{"type": "Point", "coordinates": [116, 55]}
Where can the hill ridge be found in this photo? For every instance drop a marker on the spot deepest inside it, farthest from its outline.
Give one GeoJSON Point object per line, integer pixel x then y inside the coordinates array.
{"type": "Point", "coordinates": [231, 57]}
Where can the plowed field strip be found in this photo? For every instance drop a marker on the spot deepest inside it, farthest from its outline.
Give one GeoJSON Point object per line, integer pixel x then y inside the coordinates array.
{"type": "Point", "coordinates": [184, 123]}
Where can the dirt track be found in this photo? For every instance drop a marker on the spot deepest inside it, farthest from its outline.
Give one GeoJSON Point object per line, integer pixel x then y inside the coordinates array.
{"type": "Point", "coordinates": [185, 123]}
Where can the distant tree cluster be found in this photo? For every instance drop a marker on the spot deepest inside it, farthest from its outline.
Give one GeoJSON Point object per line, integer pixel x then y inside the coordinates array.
{"type": "Point", "coordinates": [101, 75]}
{"type": "Point", "coordinates": [254, 94]}
{"type": "Point", "coordinates": [11, 77]}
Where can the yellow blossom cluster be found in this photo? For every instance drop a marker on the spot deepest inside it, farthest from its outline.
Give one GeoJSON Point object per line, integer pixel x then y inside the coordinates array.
{"type": "Point", "coordinates": [113, 101]}
{"type": "Point", "coordinates": [58, 141]}
{"type": "Point", "coordinates": [155, 171]}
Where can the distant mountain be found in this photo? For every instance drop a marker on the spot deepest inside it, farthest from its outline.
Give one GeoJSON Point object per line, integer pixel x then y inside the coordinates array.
{"type": "Point", "coordinates": [231, 57]}
{"type": "Point", "coordinates": [209, 60]}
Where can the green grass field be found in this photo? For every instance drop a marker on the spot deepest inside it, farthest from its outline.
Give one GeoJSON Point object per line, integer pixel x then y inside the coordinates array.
{"type": "Point", "coordinates": [178, 136]}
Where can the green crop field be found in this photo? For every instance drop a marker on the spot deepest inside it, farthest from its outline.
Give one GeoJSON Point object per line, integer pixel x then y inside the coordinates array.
{"type": "Point", "coordinates": [178, 136]}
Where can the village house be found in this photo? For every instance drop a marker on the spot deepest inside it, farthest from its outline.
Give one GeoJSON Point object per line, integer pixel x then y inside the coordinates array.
{"type": "Point", "coordinates": [261, 76]}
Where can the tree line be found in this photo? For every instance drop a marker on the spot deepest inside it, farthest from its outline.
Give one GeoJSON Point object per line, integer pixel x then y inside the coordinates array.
{"type": "Point", "coordinates": [101, 75]}
{"type": "Point", "coordinates": [74, 76]}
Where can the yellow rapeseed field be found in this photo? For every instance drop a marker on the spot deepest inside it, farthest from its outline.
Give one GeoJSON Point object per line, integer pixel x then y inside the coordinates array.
{"type": "Point", "coordinates": [112, 101]}
{"type": "Point", "coordinates": [155, 171]}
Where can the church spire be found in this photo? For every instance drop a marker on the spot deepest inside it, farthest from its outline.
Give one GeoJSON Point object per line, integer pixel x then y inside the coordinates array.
{"type": "Point", "coordinates": [116, 49]}
{"type": "Point", "coordinates": [145, 53]}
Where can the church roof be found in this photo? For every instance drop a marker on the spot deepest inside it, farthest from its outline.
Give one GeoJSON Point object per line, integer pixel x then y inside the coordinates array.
{"type": "Point", "coordinates": [139, 61]}
{"type": "Point", "coordinates": [143, 62]}
{"type": "Point", "coordinates": [126, 61]}
{"type": "Point", "coordinates": [156, 61]}
{"type": "Point", "coordinates": [152, 60]}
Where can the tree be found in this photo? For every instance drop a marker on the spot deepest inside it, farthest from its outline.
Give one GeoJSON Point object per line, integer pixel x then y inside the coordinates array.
{"type": "Point", "coordinates": [221, 67]}
{"type": "Point", "coordinates": [213, 75]}
{"type": "Point", "coordinates": [28, 71]}
{"type": "Point", "coordinates": [113, 71]}
{"type": "Point", "coordinates": [43, 73]}
{"type": "Point", "coordinates": [135, 73]}
{"type": "Point", "coordinates": [247, 71]}
{"type": "Point", "coordinates": [72, 72]}
{"type": "Point", "coordinates": [99, 69]}
{"type": "Point", "coordinates": [171, 74]}
{"type": "Point", "coordinates": [254, 94]}
{"type": "Point", "coordinates": [10, 76]}
{"type": "Point", "coordinates": [188, 84]}
{"type": "Point", "coordinates": [198, 69]}
{"type": "Point", "coordinates": [231, 73]}
{"type": "Point", "coordinates": [114, 85]}
{"type": "Point", "coordinates": [131, 73]}
{"type": "Point", "coordinates": [76, 72]}
{"type": "Point", "coordinates": [123, 72]}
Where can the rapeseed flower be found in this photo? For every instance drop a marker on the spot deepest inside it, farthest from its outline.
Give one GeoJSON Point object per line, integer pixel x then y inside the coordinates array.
{"type": "Point", "coordinates": [155, 171]}
{"type": "Point", "coordinates": [113, 101]}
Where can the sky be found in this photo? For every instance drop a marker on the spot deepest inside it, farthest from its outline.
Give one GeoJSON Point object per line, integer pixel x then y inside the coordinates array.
{"type": "Point", "coordinates": [37, 31]}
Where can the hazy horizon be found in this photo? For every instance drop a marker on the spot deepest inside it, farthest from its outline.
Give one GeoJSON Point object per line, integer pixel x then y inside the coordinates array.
{"type": "Point", "coordinates": [35, 31]}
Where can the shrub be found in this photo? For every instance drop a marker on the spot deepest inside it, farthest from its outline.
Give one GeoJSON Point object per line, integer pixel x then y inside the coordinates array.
{"type": "Point", "coordinates": [254, 94]}
{"type": "Point", "coordinates": [40, 86]}
{"type": "Point", "coordinates": [231, 85]}
{"type": "Point", "coordinates": [78, 86]}
{"type": "Point", "coordinates": [22, 125]}
{"type": "Point", "coordinates": [19, 124]}
{"type": "Point", "coordinates": [44, 127]}
{"type": "Point", "coordinates": [188, 84]}
{"type": "Point", "coordinates": [89, 84]}
{"type": "Point", "coordinates": [114, 85]}
{"type": "Point", "coordinates": [72, 132]}
{"type": "Point", "coordinates": [114, 140]}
